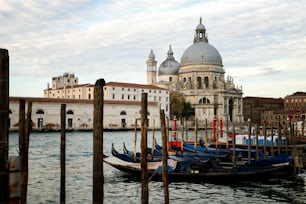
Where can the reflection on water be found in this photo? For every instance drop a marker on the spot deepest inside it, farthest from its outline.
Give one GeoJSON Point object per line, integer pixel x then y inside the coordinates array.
{"type": "Point", "coordinates": [44, 176]}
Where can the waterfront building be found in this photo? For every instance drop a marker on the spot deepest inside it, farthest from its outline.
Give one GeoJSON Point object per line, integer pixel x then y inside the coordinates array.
{"type": "Point", "coordinates": [79, 114]}
{"type": "Point", "coordinates": [275, 112]}
{"type": "Point", "coordinates": [120, 95]}
{"type": "Point", "coordinates": [199, 77]}
{"type": "Point", "coordinates": [62, 88]}
{"type": "Point", "coordinates": [254, 108]}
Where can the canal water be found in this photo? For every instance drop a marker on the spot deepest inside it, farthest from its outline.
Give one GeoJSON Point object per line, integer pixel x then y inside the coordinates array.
{"type": "Point", "coordinates": [44, 176]}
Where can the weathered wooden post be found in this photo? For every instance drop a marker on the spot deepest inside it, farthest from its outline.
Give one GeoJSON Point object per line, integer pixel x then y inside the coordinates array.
{"type": "Point", "coordinates": [153, 140]}
{"type": "Point", "coordinates": [265, 140]}
{"type": "Point", "coordinates": [135, 139]}
{"type": "Point", "coordinates": [272, 140]}
{"type": "Point", "coordinates": [25, 162]}
{"type": "Point", "coordinates": [164, 156]}
{"type": "Point", "coordinates": [98, 177]}
{"type": "Point", "coordinates": [234, 146]}
{"type": "Point", "coordinates": [144, 144]}
{"type": "Point", "coordinates": [4, 116]}
{"type": "Point", "coordinates": [183, 139]}
{"type": "Point", "coordinates": [279, 136]}
{"type": "Point", "coordinates": [249, 142]}
{"type": "Point", "coordinates": [186, 128]}
{"type": "Point", "coordinates": [227, 133]}
{"type": "Point", "coordinates": [257, 147]}
{"type": "Point", "coordinates": [286, 135]}
{"type": "Point", "coordinates": [167, 131]}
{"type": "Point", "coordinates": [22, 148]}
{"type": "Point", "coordinates": [206, 135]}
{"type": "Point", "coordinates": [195, 134]}
{"type": "Point", "coordinates": [63, 154]}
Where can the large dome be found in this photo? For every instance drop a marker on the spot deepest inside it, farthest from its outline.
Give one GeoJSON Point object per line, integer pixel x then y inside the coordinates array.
{"type": "Point", "coordinates": [201, 53]}
{"type": "Point", "coordinates": [170, 66]}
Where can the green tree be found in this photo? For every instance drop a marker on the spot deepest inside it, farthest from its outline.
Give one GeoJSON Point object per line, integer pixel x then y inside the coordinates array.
{"type": "Point", "coordinates": [188, 110]}
{"type": "Point", "coordinates": [177, 102]}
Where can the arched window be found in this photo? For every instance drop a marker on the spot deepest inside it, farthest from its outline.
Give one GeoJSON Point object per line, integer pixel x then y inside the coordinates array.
{"type": "Point", "coordinates": [230, 109]}
{"type": "Point", "coordinates": [123, 113]}
{"type": "Point", "coordinates": [40, 120]}
{"type": "Point", "coordinates": [70, 118]}
{"type": "Point", "coordinates": [39, 111]}
{"type": "Point", "coordinates": [206, 82]}
{"type": "Point", "coordinates": [70, 112]}
{"type": "Point", "coordinates": [204, 100]}
{"type": "Point", "coordinates": [199, 84]}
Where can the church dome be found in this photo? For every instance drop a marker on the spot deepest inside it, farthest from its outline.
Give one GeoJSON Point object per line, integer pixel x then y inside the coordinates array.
{"type": "Point", "coordinates": [201, 52]}
{"type": "Point", "coordinates": [170, 66]}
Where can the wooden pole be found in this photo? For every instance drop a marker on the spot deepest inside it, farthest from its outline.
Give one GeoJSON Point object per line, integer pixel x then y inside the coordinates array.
{"type": "Point", "coordinates": [206, 135]}
{"type": "Point", "coordinates": [135, 139]}
{"type": "Point", "coordinates": [182, 144]}
{"type": "Point", "coordinates": [25, 165]}
{"type": "Point", "coordinates": [226, 132]}
{"type": "Point", "coordinates": [153, 140]}
{"type": "Point", "coordinates": [234, 146]}
{"type": "Point", "coordinates": [272, 141]}
{"type": "Point", "coordinates": [22, 149]}
{"type": "Point", "coordinates": [4, 115]}
{"type": "Point", "coordinates": [257, 147]}
{"type": "Point", "coordinates": [195, 135]}
{"type": "Point", "coordinates": [164, 156]}
{"type": "Point", "coordinates": [249, 143]}
{"type": "Point", "coordinates": [63, 154]}
{"type": "Point", "coordinates": [279, 136]}
{"type": "Point", "coordinates": [303, 127]}
{"type": "Point", "coordinates": [265, 140]}
{"type": "Point", "coordinates": [167, 131]}
{"type": "Point", "coordinates": [143, 160]}
{"type": "Point", "coordinates": [286, 135]}
{"type": "Point", "coordinates": [186, 128]}
{"type": "Point", "coordinates": [98, 176]}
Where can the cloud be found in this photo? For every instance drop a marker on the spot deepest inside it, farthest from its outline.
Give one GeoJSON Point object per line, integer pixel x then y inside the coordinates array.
{"type": "Point", "coordinates": [113, 39]}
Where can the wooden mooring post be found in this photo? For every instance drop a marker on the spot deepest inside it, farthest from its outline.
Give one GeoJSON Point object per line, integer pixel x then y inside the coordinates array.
{"type": "Point", "coordinates": [234, 145]}
{"type": "Point", "coordinates": [249, 142]}
{"type": "Point", "coordinates": [98, 176]}
{"type": "Point", "coordinates": [144, 144]}
{"type": "Point", "coordinates": [4, 115]}
{"type": "Point", "coordinates": [25, 162]}
{"type": "Point", "coordinates": [63, 154]}
{"type": "Point", "coordinates": [164, 156]}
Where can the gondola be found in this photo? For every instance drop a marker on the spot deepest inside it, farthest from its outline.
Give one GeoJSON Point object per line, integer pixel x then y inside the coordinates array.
{"type": "Point", "coordinates": [195, 168]}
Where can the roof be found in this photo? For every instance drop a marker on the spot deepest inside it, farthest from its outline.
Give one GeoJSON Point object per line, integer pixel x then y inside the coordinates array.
{"type": "Point", "coordinates": [131, 85]}
{"type": "Point", "coordinates": [263, 99]}
{"type": "Point", "coordinates": [74, 101]}
{"type": "Point", "coordinates": [298, 93]}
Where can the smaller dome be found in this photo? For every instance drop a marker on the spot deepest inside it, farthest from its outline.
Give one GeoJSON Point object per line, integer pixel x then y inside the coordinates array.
{"type": "Point", "coordinates": [151, 55]}
{"type": "Point", "coordinates": [200, 27]}
{"type": "Point", "coordinates": [170, 66]}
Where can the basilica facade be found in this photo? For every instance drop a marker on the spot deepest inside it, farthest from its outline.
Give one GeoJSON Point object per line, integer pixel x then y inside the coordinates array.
{"type": "Point", "coordinates": [200, 78]}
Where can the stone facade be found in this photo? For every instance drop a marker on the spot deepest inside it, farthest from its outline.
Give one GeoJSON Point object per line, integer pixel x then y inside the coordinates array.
{"type": "Point", "coordinates": [200, 79]}
{"type": "Point", "coordinates": [79, 113]}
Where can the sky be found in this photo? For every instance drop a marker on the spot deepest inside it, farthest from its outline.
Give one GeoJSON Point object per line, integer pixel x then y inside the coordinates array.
{"type": "Point", "coordinates": [262, 43]}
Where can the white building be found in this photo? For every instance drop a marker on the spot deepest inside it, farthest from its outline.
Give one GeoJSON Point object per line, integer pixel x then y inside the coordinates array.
{"type": "Point", "coordinates": [199, 77]}
{"type": "Point", "coordinates": [79, 113]}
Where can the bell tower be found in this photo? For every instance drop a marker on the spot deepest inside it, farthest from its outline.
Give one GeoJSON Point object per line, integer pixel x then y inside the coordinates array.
{"type": "Point", "coordinates": [151, 68]}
